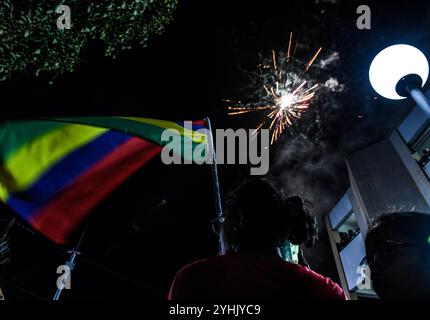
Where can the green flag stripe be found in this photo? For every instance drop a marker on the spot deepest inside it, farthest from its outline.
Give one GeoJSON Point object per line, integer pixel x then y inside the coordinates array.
{"type": "Point", "coordinates": [15, 134]}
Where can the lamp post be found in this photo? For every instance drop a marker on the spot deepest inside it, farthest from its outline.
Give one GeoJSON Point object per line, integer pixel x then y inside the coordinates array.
{"type": "Point", "coordinates": [400, 71]}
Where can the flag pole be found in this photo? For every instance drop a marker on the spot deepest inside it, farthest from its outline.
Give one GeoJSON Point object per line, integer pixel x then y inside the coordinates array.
{"type": "Point", "coordinates": [70, 264]}
{"type": "Point", "coordinates": [215, 181]}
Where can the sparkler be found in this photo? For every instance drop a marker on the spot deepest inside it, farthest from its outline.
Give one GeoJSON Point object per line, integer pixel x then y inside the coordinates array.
{"type": "Point", "coordinates": [285, 96]}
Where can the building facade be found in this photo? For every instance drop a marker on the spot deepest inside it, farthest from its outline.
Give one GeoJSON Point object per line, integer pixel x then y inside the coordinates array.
{"type": "Point", "coordinates": [390, 176]}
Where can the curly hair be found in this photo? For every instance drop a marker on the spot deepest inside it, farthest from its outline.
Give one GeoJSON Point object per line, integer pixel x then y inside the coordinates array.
{"type": "Point", "coordinates": [260, 215]}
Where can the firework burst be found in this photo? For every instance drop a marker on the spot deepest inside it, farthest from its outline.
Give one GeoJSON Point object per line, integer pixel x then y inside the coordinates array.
{"type": "Point", "coordinates": [284, 93]}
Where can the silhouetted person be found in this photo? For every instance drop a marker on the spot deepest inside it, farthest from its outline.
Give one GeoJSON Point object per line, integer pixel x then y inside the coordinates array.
{"type": "Point", "coordinates": [259, 222]}
{"type": "Point", "coordinates": [398, 254]}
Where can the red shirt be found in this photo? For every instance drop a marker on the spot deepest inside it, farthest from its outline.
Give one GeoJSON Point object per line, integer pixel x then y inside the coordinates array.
{"type": "Point", "coordinates": [238, 276]}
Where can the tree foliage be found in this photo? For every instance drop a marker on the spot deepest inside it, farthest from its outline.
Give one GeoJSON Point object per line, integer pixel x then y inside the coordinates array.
{"type": "Point", "coordinates": [31, 42]}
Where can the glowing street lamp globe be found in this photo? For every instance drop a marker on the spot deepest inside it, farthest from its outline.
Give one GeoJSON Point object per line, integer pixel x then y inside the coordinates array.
{"type": "Point", "coordinates": [397, 64]}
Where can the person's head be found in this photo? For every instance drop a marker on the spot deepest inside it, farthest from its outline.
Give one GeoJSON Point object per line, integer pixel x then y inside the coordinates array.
{"type": "Point", "coordinates": [260, 217]}
{"type": "Point", "coordinates": [398, 254]}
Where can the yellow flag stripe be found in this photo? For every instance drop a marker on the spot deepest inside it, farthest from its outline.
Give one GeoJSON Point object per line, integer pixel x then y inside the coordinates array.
{"type": "Point", "coordinates": [195, 136]}
{"type": "Point", "coordinates": [32, 160]}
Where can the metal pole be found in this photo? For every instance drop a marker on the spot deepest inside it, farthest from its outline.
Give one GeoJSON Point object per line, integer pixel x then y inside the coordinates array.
{"type": "Point", "coordinates": [4, 244]}
{"type": "Point", "coordinates": [70, 264]}
{"type": "Point", "coordinates": [6, 229]}
{"type": "Point", "coordinates": [215, 180]}
{"type": "Point", "coordinates": [419, 98]}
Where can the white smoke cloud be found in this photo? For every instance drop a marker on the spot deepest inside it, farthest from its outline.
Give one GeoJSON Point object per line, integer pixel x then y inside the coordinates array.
{"type": "Point", "coordinates": [333, 85]}
{"type": "Point", "coordinates": [332, 58]}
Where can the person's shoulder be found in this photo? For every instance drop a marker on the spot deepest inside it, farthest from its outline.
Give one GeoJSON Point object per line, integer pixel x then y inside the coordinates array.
{"type": "Point", "coordinates": [188, 280]}
{"type": "Point", "coordinates": [209, 263]}
{"type": "Point", "coordinates": [198, 265]}
{"type": "Point", "coordinates": [321, 285]}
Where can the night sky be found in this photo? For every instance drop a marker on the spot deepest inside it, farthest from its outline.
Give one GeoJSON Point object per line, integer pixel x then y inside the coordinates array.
{"type": "Point", "coordinates": [159, 219]}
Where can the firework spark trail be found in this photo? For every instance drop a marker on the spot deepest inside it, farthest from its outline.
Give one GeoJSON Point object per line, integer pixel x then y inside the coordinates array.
{"type": "Point", "coordinates": [309, 64]}
{"type": "Point", "coordinates": [289, 47]}
{"type": "Point", "coordinates": [274, 60]}
{"type": "Point", "coordinates": [287, 101]}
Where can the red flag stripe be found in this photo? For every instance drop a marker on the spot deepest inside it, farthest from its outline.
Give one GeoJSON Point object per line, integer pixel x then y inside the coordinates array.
{"type": "Point", "coordinates": [67, 210]}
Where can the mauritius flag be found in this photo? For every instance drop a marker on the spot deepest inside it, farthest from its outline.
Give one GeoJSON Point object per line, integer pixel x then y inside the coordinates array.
{"type": "Point", "coordinates": [53, 172]}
